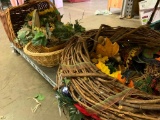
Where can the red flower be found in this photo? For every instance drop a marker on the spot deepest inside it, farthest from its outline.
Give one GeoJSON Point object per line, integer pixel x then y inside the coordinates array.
{"type": "Point", "coordinates": [85, 112]}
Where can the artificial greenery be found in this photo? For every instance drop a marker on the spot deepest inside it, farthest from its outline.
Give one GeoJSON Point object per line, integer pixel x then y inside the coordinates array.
{"type": "Point", "coordinates": [51, 29]}
{"type": "Point", "coordinates": [49, 17]}
{"type": "Point", "coordinates": [67, 104]}
{"type": "Point", "coordinates": [63, 32]}
{"type": "Point", "coordinates": [112, 65]}
{"type": "Point", "coordinates": [149, 53]}
{"type": "Point", "coordinates": [78, 28]}
{"type": "Point", "coordinates": [144, 85]}
{"type": "Point", "coordinates": [40, 97]}
{"type": "Point", "coordinates": [45, 16]}
{"type": "Point", "coordinates": [24, 35]}
{"type": "Point", "coordinates": [66, 81]}
{"type": "Point", "coordinates": [39, 39]}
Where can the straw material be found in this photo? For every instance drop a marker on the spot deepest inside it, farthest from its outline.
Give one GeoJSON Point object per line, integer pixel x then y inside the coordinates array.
{"type": "Point", "coordinates": [98, 92]}
{"type": "Point", "coordinates": [44, 56]}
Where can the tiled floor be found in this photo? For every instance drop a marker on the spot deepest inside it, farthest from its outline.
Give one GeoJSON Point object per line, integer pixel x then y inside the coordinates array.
{"type": "Point", "coordinates": [19, 81]}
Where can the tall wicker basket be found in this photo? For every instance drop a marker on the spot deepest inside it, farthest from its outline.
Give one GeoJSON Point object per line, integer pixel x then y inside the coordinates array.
{"type": "Point", "coordinates": [13, 18]}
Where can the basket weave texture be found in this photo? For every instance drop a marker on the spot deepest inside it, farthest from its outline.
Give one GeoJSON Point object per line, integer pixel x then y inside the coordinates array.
{"type": "Point", "coordinates": [96, 91]}
{"type": "Point", "coordinates": [13, 18]}
{"type": "Point", "coordinates": [44, 56]}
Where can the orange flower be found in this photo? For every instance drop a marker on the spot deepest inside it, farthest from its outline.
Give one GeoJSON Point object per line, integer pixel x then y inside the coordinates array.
{"type": "Point", "coordinates": [119, 78]}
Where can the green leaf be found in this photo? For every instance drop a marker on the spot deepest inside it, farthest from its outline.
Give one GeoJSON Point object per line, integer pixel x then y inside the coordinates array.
{"type": "Point", "coordinates": [111, 68]}
{"type": "Point", "coordinates": [148, 80]}
{"type": "Point", "coordinates": [77, 116]}
{"type": "Point", "coordinates": [27, 33]}
{"type": "Point", "coordinates": [21, 34]}
{"type": "Point", "coordinates": [66, 81]}
{"type": "Point", "coordinates": [29, 37]}
{"type": "Point", "coordinates": [39, 34]}
{"type": "Point", "coordinates": [62, 31]}
{"type": "Point", "coordinates": [24, 42]}
{"type": "Point", "coordinates": [148, 53]}
{"type": "Point", "coordinates": [144, 88]}
{"type": "Point", "coordinates": [150, 91]}
{"type": "Point", "coordinates": [39, 39]}
{"type": "Point", "coordinates": [57, 12]}
{"type": "Point", "coordinates": [40, 97]}
{"type": "Point", "coordinates": [78, 27]}
{"type": "Point", "coordinates": [138, 83]}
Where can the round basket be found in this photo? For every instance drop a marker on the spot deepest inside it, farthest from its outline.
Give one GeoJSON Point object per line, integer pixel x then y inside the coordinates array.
{"type": "Point", "coordinates": [44, 56]}
{"type": "Point", "coordinates": [98, 93]}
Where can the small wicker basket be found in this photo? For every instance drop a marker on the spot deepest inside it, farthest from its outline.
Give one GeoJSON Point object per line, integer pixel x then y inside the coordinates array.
{"type": "Point", "coordinates": [44, 56]}
{"type": "Point", "coordinates": [13, 18]}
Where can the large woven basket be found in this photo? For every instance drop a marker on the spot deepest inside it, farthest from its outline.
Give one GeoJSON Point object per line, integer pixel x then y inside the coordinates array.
{"type": "Point", "coordinates": [13, 18]}
{"type": "Point", "coordinates": [99, 93]}
{"type": "Point", "coordinates": [44, 56]}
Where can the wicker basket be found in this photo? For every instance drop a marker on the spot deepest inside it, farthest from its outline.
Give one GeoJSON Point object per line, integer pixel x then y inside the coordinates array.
{"type": "Point", "coordinates": [99, 93]}
{"type": "Point", "coordinates": [44, 56]}
{"type": "Point", "coordinates": [13, 18]}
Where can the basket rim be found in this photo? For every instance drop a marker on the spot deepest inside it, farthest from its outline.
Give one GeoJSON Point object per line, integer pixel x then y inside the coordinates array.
{"type": "Point", "coordinates": [40, 54]}
{"type": "Point", "coordinates": [32, 2]}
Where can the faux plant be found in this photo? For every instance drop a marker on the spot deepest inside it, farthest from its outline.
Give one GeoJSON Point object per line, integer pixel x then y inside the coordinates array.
{"type": "Point", "coordinates": [47, 29]}
{"type": "Point", "coordinates": [106, 48]}
{"type": "Point", "coordinates": [24, 35]}
{"type": "Point", "coordinates": [62, 31]}
{"type": "Point", "coordinates": [67, 103]}
{"type": "Point", "coordinates": [144, 84]}
{"type": "Point", "coordinates": [39, 39]}
{"type": "Point", "coordinates": [65, 31]}
{"type": "Point", "coordinates": [46, 16]}
{"type": "Point", "coordinates": [78, 28]}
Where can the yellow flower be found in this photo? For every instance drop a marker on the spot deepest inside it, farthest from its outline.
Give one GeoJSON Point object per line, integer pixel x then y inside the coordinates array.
{"type": "Point", "coordinates": [106, 70]}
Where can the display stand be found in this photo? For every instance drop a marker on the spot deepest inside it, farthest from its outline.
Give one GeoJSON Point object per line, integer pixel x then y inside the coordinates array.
{"type": "Point", "coordinates": [49, 74]}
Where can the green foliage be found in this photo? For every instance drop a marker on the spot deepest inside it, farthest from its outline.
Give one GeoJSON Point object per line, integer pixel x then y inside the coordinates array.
{"type": "Point", "coordinates": [63, 32]}
{"type": "Point", "coordinates": [78, 28]}
{"type": "Point", "coordinates": [24, 35]}
{"type": "Point", "coordinates": [111, 68]}
{"type": "Point", "coordinates": [40, 97]}
{"type": "Point", "coordinates": [39, 39]}
{"type": "Point", "coordinates": [112, 65]}
{"type": "Point", "coordinates": [53, 29]}
{"type": "Point", "coordinates": [67, 103]}
{"type": "Point", "coordinates": [148, 53]}
{"type": "Point", "coordinates": [66, 81]}
{"type": "Point", "coordinates": [144, 85]}
{"type": "Point", "coordinates": [75, 115]}
{"type": "Point", "coordinates": [49, 17]}
{"type": "Point", "coordinates": [48, 32]}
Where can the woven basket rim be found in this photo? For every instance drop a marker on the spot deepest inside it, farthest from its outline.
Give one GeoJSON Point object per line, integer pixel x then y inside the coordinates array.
{"type": "Point", "coordinates": [25, 49]}
{"type": "Point", "coordinates": [31, 2]}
